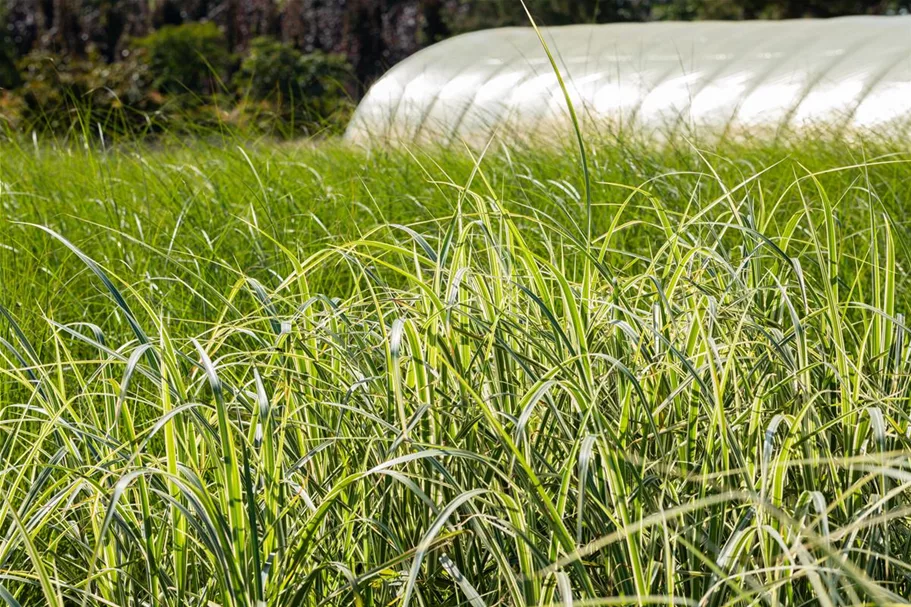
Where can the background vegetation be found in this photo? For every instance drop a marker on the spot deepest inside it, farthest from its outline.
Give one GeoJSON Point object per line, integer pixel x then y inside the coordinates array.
{"type": "Point", "coordinates": [144, 66]}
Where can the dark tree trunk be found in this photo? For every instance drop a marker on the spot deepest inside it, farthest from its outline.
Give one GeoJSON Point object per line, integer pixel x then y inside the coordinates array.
{"type": "Point", "coordinates": [433, 28]}
{"type": "Point", "coordinates": [65, 33]}
{"type": "Point", "coordinates": [47, 15]}
{"type": "Point", "coordinates": [365, 45]}
{"type": "Point", "coordinates": [168, 13]}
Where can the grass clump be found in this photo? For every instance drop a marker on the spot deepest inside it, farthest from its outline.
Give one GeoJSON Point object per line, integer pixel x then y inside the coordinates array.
{"type": "Point", "coordinates": [291, 376]}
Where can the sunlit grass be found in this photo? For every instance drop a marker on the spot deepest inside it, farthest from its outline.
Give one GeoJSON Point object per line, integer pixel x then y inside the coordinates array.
{"type": "Point", "coordinates": [294, 375]}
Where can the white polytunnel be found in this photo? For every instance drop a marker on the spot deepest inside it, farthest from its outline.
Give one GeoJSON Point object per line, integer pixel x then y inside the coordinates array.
{"type": "Point", "coordinates": [849, 73]}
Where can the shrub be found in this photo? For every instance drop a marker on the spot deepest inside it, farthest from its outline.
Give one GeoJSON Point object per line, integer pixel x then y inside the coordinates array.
{"type": "Point", "coordinates": [12, 108]}
{"type": "Point", "coordinates": [186, 58]}
{"type": "Point", "coordinates": [56, 90]}
{"type": "Point", "coordinates": [308, 88]}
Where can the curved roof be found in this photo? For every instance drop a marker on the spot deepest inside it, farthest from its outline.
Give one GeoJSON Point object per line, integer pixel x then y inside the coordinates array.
{"type": "Point", "coordinates": [850, 72]}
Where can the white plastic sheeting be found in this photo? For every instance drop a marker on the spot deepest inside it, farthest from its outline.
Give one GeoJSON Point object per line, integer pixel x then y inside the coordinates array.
{"type": "Point", "coordinates": [719, 77]}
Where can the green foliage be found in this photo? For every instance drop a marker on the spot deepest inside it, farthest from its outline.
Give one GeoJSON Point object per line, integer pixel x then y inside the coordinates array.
{"type": "Point", "coordinates": [305, 88]}
{"type": "Point", "coordinates": [188, 58]}
{"type": "Point", "coordinates": [59, 91]}
{"type": "Point", "coordinates": [279, 90]}
{"type": "Point", "coordinates": [272, 67]}
{"type": "Point", "coordinates": [316, 376]}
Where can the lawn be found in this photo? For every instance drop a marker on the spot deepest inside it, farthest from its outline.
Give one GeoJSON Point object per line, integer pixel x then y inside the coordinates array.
{"type": "Point", "coordinates": [248, 373]}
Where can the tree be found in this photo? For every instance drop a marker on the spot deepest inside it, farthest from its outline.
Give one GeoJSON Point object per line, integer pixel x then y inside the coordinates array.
{"type": "Point", "coordinates": [364, 41]}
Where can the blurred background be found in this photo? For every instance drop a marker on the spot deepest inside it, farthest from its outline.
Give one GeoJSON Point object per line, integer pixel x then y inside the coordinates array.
{"type": "Point", "coordinates": [282, 67]}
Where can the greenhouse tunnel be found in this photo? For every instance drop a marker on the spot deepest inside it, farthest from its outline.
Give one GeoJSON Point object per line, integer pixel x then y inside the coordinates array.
{"type": "Point", "coordinates": [652, 79]}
